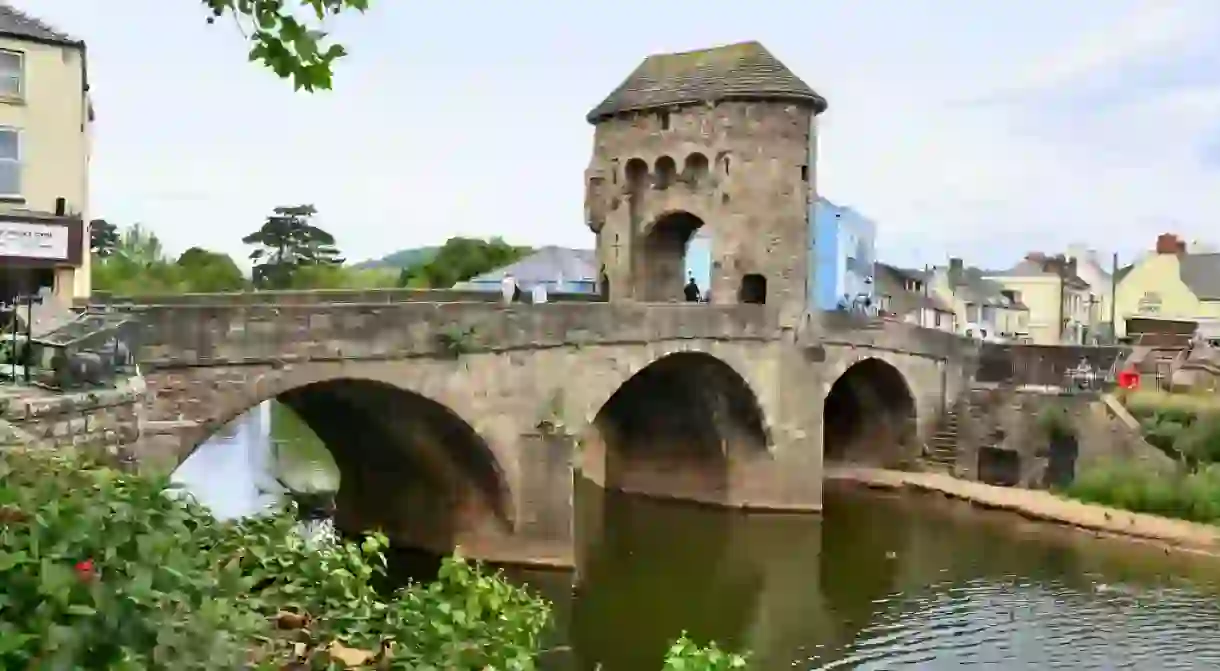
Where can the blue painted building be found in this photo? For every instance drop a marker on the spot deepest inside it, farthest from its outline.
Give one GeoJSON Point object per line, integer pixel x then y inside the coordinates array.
{"type": "Point", "coordinates": [843, 258]}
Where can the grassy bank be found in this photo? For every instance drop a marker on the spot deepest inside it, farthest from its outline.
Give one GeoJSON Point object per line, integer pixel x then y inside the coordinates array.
{"type": "Point", "coordinates": [1187, 495]}
{"type": "Point", "coordinates": [1187, 428]}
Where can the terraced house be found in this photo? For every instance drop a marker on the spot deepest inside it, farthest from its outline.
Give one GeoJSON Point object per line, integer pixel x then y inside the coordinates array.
{"type": "Point", "coordinates": [45, 118]}
{"type": "Point", "coordinates": [1063, 308]}
{"type": "Point", "coordinates": [982, 308]}
{"type": "Point", "coordinates": [1171, 284]}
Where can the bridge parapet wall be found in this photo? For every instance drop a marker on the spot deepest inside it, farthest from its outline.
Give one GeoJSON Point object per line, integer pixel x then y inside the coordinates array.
{"type": "Point", "coordinates": [210, 335]}
{"type": "Point", "coordinates": [319, 297]}
{"type": "Point", "coordinates": [834, 328]}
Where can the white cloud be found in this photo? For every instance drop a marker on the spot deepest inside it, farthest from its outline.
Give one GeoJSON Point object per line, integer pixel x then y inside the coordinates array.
{"type": "Point", "coordinates": [967, 128]}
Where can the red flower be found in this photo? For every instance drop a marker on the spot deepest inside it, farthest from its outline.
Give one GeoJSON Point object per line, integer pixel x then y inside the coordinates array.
{"type": "Point", "coordinates": [84, 570]}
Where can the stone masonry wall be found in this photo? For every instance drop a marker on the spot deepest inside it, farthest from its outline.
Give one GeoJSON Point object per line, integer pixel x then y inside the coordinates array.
{"type": "Point", "coordinates": [108, 419]}
{"type": "Point", "coordinates": [743, 168]}
{"type": "Point", "coordinates": [1008, 420]}
{"type": "Point", "coordinates": [207, 334]}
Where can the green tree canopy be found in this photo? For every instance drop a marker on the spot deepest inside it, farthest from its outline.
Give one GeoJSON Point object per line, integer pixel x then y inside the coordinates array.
{"type": "Point", "coordinates": [103, 237]}
{"type": "Point", "coordinates": [286, 35]}
{"type": "Point", "coordinates": [208, 271]}
{"type": "Point", "coordinates": [287, 242]}
{"type": "Point", "coordinates": [460, 259]}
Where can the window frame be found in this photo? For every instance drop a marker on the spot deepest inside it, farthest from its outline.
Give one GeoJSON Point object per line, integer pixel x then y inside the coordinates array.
{"type": "Point", "coordinates": [17, 160]}
{"type": "Point", "coordinates": [20, 93]}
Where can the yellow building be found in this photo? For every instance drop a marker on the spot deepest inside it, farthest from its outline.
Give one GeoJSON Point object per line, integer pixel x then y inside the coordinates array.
{"type": "Point", "coordinates": [1171, 284]}
{"type": "Point", "coordinates": [981, 308]}
{"type": "Point", "coordinates": [45, 118]}
{"type": "Point", "coordinates": [1063, 308]}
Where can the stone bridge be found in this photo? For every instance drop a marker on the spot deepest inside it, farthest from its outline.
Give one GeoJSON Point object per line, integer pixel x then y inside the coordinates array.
{"type": "Point", "coordinates": [463, 423]}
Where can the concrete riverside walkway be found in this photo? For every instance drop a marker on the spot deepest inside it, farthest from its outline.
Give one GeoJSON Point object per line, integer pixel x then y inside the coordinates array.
{"type": "Point", "coordinates": [1045, 506]}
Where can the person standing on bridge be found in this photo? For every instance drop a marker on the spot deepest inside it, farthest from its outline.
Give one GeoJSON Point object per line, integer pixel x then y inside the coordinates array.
{"type": "Point", "coordinates": [508, 288]}
{"type": "Point", "coordinates": [691, 290]}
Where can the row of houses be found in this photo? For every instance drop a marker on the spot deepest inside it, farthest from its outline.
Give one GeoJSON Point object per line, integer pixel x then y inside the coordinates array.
{"type": "Point", "coordinates": [1067, 298]}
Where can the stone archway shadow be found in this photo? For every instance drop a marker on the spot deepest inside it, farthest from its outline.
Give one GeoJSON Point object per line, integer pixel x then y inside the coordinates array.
{"type": "Point", "coordinates": [674, 428]}
{"type": "Point", "coordinates": [869, 415]}
{"type": "Point", "coordinates": [410, 464]}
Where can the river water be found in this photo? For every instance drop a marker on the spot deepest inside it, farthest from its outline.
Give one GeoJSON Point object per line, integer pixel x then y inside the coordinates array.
{"type": "Point", "coordinates": [879, 581]}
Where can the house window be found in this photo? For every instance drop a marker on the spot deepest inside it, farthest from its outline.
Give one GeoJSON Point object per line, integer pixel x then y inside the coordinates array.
{"type": "Point", "coordinates": [972, 313]}
{"type": "Point", "coordinates": [10, 163]}
{"type": "Point", "coordinates": [937, 319]}
{"type": "Point", "coordinates": [12, 71]}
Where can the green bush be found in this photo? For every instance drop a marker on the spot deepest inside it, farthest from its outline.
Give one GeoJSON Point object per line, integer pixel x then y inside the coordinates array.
{"type": "Point", "coordinates": [1193, 496]}
{"type": "Point", "coordinates": [101, 569]}
{"type": "Point", "coordinates": [684, 655]}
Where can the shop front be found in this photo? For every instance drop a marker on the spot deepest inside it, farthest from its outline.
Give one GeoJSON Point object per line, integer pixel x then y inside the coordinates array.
{"type": "Point", "coordinates": [40, 252]}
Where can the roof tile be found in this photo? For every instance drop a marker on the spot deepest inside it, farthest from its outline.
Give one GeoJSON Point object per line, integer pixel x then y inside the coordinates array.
{"type": "Point", "coordinates": [744, 70]}
{"type": "Point", "coordinates": [15, 23]}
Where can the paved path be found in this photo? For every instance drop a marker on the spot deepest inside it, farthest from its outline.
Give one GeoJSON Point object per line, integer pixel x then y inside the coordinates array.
{"type": "Point", "coordinates": [1041, 505]}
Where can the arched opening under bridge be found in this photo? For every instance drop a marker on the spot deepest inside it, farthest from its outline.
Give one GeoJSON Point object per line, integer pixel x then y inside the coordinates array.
{"type": "Point", "coordinates": [406, 465]}
{"type": "Point", "coordinates": [672, 429]}
{"type": "Point", "coordinates": [869, 416]}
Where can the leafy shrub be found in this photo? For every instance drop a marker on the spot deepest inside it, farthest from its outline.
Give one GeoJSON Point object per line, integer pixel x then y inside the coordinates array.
{"type": "Point", "coordinates": [684, 655]}
{"type": "Point", "coordinates": [102, 570]}
{"type": "Point", "coordinates": [1055, 422]}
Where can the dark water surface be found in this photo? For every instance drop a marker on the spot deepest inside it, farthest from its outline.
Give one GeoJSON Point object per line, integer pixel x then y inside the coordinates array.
{"type": "Point", "coordinates": [880, 581]}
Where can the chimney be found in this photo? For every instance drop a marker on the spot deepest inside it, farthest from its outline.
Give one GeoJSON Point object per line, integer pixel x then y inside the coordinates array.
{"type": "Point", "coordinates": [1168, 243]}
{"type": "Point", "coordinates": [955, 272]}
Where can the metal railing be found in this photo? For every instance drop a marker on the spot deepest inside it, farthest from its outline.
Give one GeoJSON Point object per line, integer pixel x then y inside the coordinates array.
{"type": "Point", "coordinates": [90, 351]}
{"type": "Point", "coordinates": [1066, 368]}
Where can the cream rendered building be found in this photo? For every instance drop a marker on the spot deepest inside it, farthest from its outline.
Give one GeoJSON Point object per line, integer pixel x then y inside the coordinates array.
{"type": "Point", "coordinates": [1063, 309]}
{"type": "Point", "coordinates": [45, 118]}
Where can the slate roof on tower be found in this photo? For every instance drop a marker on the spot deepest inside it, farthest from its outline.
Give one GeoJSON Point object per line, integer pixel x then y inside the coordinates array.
{"type": "Point", "coordinates": [735, 71]}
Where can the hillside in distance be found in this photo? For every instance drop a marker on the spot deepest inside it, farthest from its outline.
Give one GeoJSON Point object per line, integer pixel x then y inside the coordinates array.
{"type": "Point", "coordinates": [403, 258]}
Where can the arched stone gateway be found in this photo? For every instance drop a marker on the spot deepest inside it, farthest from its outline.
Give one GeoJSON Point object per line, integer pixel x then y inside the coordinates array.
{"type": "Point", "coordinates": [677, 429]}
{"type": "Point", "coordinates": [661, 261]}
{"type": "Point", "coordinates": [408, 465]}
{"type": "Point", "coordinates": [869, 415]}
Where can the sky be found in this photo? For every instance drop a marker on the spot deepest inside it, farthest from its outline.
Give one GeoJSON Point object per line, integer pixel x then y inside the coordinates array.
{"type": "Point", "coordinates": [963, 128]}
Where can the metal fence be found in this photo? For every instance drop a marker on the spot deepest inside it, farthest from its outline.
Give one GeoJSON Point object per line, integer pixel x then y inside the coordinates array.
{"type": "Point", "coordinates": [1071, 368]}
{"type": "Point", "coordinates": [90, 351]}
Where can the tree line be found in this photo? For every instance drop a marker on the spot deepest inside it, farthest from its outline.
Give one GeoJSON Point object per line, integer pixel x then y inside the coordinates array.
{"type": "Point", "coordinates": [289, 252]}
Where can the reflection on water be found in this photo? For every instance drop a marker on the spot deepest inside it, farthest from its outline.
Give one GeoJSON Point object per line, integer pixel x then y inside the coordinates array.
{"type": "Point", "coordinates": [878, 582]}
{"type": "Point", "coordinates": [242, 469]}
{"type": "Point", "coordinates": [883, 582]}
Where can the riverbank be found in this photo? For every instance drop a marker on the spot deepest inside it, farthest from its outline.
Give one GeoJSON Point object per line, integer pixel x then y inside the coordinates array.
{"type": "Point", "coordinates": [1044, 506]}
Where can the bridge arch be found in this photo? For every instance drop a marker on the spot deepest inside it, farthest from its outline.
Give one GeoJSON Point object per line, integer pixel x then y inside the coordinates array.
{"type": "Point", "coordinates": [869, 414]}
{"type": "Point", "coordinates": [674, 427]}
{"type": "Point", "coordinates": [410, 464]}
